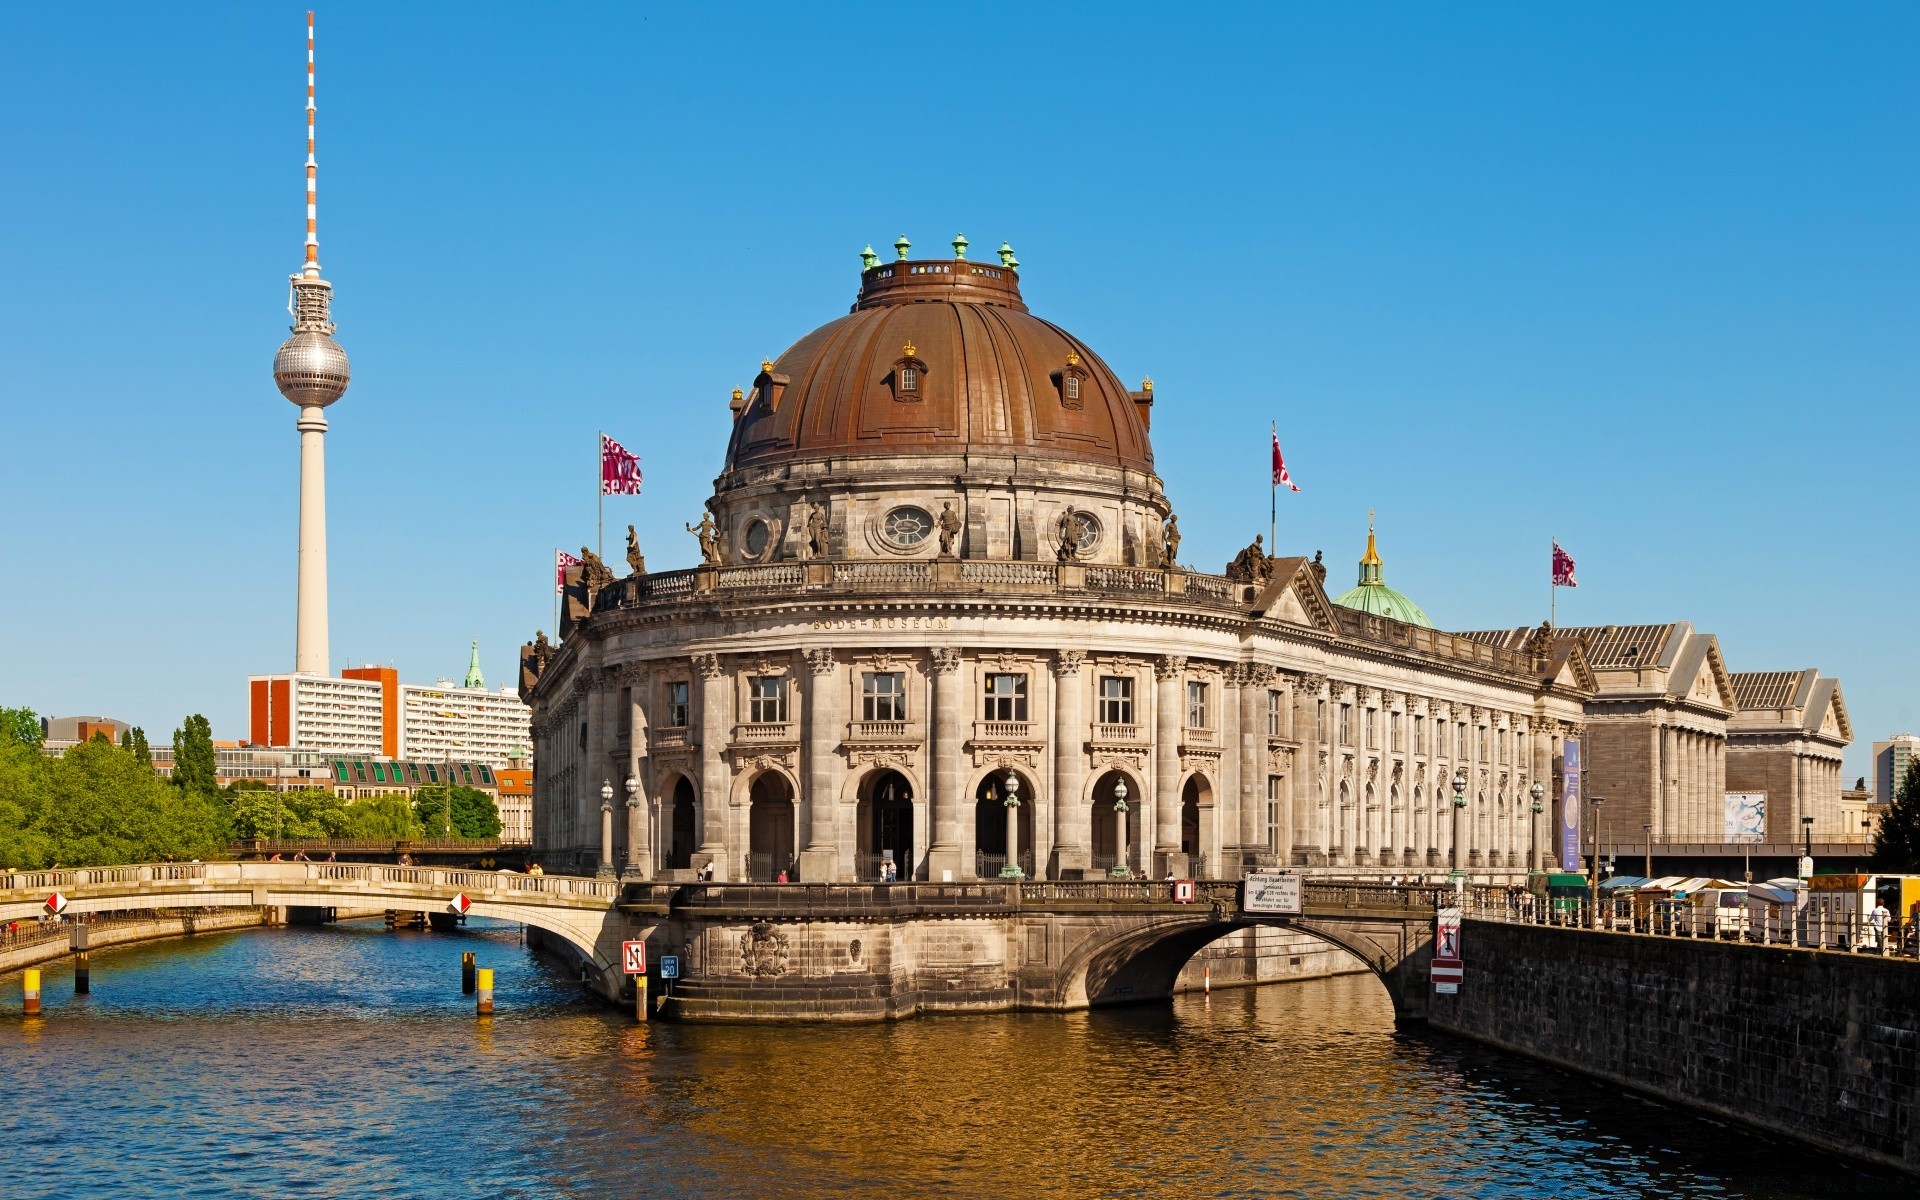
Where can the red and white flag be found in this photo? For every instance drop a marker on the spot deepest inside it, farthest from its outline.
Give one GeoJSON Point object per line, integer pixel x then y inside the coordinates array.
{"type": "Point", "coordinates": [619, 470]}
{"type": "Point", "coordinates": [1562, 568]}
{"type": "Point", "coordinates": [1280, 476]}
{"type": "Point", "coordinates": [561, 561]}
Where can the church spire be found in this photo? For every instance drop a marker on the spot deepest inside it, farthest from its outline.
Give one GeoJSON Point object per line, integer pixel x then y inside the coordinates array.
{"type": "Point", "coordinates": [474, 678]}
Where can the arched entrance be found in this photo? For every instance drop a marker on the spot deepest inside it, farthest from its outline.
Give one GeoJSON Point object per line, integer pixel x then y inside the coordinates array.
{"type": "Point", "coordinates": [990, 824]}
{"type": "Point", "coordinates": [1192, 796]}
{"type": "Point", "coordinates": [1106, 823]}
{"type": "Point", "coordinates": [770, 828]}
{"type": "Point", "coordinates": [681, 836]}
{"type": "Point", "coordinates": [884, 828]}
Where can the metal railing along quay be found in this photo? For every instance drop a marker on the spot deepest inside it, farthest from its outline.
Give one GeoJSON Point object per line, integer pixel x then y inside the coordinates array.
{"type": "Point", "coordinates": [1895, 937]}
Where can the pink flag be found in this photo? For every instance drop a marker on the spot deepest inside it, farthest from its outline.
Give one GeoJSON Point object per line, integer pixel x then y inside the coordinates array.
{"type": "Point", "coordinates": [1562, 568]}
{"type": "Point", "coordinates": [561, 561]}
{"type": "Point", "coordinates": [1280, 476]}
{"type": "Point", "coordinates": [619, 470]}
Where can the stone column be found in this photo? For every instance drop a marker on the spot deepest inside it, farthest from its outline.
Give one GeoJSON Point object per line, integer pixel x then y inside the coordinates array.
{"type": "Point", "coordinates": [1304, 778]}
{"type": "Point", "coordinates": [1541, 736]}
{"type": "Point", "coordinates": [714, 780]}
{"type": "Point", "coordinates": [1072, 820]}
{"type": "Point", "coordinates": [1254, 678]}
{"type": "Point", "coordinates": [1219, 842]}
{"type": "Point", "coordinates": [820, 861]}
{"type": "Point", "coordinates": [639, 804]}
{"type": "Point", "coordinates": [1167, 673]}
{"type": "Point", "coordinates": [949, 722]}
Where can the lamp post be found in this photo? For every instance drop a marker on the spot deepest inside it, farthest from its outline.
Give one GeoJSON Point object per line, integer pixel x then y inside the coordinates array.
{"type": "Point", "coordinates": [1806, 862]}
{"type": "Point", "coordinates": [1648, 827]}
{"type": "Point", "coordinates": [1593, 867]}
{"type": "Point", "coordinates": [1539, 793]}
{"type": "Point", "coordinates": [1012, 789]}
{"type": "Point", "coordinates": [1120, 869]}
{"type": "Point", "coordinates": [1457, 877]}
{"type": "Point", "coordinates": [634, 817]}
{"type": "Point", "coordinates": [606, 830]}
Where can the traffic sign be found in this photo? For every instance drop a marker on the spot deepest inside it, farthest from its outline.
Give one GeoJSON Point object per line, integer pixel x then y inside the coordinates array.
{"type": "Point", "coordinates": [1183, 891]}
{"type": "Point", "coordinates": [669, 966]}
{"type": "Point", "coordinates": [56, 904]}
{"type": "Point", "coordinates": [633, 957]}
{"type": "Point", "coordinates": [460, 904]}
{"type": "Point", "coordinates": [1270, 891]}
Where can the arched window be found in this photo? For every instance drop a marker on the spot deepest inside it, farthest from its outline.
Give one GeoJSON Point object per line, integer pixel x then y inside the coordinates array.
{"type": "Point", "coordinates": [1069, 379]}
{"type": "Point", "coordinates": [908, 375]}
{"type": "Point", "coordinates": [909, 379]}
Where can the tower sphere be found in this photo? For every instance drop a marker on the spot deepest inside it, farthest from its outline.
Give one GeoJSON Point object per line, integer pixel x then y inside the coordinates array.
{"type": "Point", "coordinates": [311, 369]}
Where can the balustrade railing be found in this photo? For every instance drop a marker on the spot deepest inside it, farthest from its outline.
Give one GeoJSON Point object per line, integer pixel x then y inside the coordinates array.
{"type": "Point", "coordinates": [777, 575]}
{"type": "Point", "coordinates": [1030, 573]}
{"type": "Point", "coordinates": [1126, 579]}
{"type": "Point", "coordinates": [1775, 925]}
{"type": "Point", "coordinates": [882, 572]}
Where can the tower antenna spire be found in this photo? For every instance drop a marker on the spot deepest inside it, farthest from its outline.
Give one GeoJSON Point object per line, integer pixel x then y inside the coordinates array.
{"type": "Point", "coordinates": [312, 266]}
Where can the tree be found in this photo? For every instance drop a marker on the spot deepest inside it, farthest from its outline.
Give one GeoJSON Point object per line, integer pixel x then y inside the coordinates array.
{"type": "Point", "coordinates": [444, 810]}
{"type": "Point", "coordinates": [1896, 844]}
{"type": "Point", "coordinates": [193, 761]}
{"type": "Point", "coordinates": [20, 727]}
{"type": "Point", "coordinates": [142, 752]}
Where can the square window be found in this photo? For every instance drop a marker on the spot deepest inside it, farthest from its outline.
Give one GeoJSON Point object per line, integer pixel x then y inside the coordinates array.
{"type": "Point", "coordinates": [883, 696]}
{"type": "Point", "coordinates": [1006, 698]}
{"type": "Point", "coordinates": [677, 705]}
{"type": "Point", "coordinates": [767, 699]}
{"type": "Point", "coordinates": [1116, 700]}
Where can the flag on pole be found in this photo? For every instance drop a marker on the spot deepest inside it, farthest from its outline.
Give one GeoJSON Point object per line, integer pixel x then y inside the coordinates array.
{"type": "Point", "coordinates": [1280, 476]}
{"type": "Point", "coordinates": [619, 470]}
{"type": "Point", "coordinates": [561, 561]}
{"type": "Point", "coordinates": [1562, 568]}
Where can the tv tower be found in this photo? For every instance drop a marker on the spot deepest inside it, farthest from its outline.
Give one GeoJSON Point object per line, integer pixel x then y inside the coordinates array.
{"type": "Point", "coordinates": [311, 370]}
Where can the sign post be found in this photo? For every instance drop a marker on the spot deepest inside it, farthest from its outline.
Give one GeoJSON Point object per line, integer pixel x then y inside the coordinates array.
{"type": "Point", "coordinates": [1271, 892]}
{"type": "Point", "coordinates": [633, 960]}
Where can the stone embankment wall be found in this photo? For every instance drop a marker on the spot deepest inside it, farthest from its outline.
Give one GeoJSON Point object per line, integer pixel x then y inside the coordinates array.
{"type": "Point", "coordinates": [1818, 1045]}
{"type": "Point", "coordinates": [102, 937]}
{"type": "Point", "coordinates": [1251, 956]}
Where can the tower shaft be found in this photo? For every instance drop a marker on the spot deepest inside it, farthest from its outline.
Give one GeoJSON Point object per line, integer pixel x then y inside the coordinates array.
{"type": "Point", "coordinates": [310, 625]}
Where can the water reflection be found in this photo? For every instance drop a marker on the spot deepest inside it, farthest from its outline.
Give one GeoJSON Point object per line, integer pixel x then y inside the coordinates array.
{"type": "Point", "coordinates": [345, 1062]}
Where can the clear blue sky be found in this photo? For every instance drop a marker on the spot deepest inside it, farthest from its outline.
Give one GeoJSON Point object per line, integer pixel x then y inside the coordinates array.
{"type": "Point", "coordinates": [1642, 277]}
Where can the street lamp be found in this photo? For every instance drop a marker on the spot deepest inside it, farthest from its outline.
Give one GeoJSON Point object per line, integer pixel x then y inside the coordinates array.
{"type": "Point", "coordinates": [632, 870]}
{"type": "Point", "coordinates": [1539, 792]}
{"type": "Point", "coordinates": [1648, 827]}
{"type": "Point", "coordinates": [1593, 867]}
{"type": "Point", "coordinates": [1806, 863]}
{"type": "Point", "coordinates": [1120, 870]}
{"type": "Point", "coordinates": [1012, 789]}
{"type": "Point", "coordinates": [1458, 877]}
{"type": "Point", "coordinates": [606, 830]}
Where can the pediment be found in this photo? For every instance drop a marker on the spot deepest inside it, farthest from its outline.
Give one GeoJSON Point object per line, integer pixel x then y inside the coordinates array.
{"type": "Point", "coordinates": [1294, 595]}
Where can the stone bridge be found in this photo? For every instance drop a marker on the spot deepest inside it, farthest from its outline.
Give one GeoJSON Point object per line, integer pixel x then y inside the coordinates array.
{"type": "Point", "coordinates": [577, 911]}
{"type": "Point", "coordinates": [786, 952]}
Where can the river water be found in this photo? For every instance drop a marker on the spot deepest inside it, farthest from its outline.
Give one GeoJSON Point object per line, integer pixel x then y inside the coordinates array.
{"type": "Point", "coordinates": [343, 1061]}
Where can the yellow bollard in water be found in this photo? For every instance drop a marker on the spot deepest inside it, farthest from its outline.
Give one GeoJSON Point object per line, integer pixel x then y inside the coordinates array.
{"type": "Point", "coordinates": [484, 1006]}
{"type": "Point", "coordinates": [30, 985]}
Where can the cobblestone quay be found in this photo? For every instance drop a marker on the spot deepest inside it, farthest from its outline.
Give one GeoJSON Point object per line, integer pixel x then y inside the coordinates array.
{"type": "Point", "coordinates": [1818, 1045]}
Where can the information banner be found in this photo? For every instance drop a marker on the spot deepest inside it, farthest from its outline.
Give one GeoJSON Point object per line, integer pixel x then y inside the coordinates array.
{"type": "Point", "coordinates": [1272, 892]}
{"type": "Point", "coordinates": [1570, 805]}
{"type": "Point", "coordinates": [1746, 817]}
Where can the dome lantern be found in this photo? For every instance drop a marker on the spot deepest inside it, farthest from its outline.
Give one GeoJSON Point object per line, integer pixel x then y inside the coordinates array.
{"type": "Point", "coordinates": [1371, 593]}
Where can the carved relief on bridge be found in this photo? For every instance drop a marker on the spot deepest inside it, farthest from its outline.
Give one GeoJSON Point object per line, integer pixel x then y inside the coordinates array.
{"type": "Point", "coordinates": [763, 951]}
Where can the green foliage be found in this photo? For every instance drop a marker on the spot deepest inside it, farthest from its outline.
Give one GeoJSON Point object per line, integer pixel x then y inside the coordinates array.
{"type": "Point", "coordinates": [142, 753]}
{"type": "Point", "coordinates": [98, 804]}
{"type": "Point", "coordinates": [471, 813]}
{"type": "Point", "coordinates": [318, 813]}
{"type": "Point", "coordinates": [1896, 844]}
{"type": "Point", "coordinates": [193, 761]}
{"type": "Point", "coordinates": [20, 727]}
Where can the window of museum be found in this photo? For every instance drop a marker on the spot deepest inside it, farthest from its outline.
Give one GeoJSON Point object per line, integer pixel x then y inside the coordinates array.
{"type": "Point", "coordinates": [1276, 723]}
{"type": "Point", "coordinates": [1196, 705]}
{"type": "Point", "coordinates": [883, 696]}
{"type": "Point", "coordinates": [909, 379]}
{"type": "Point", "coordinates": [767, 699]}
{"type": "Point", "coordinates": [1116, 700]}
{"type": "Point", "coordinates": [1397, 731]}
{"type": "Point", "coordinates": [1460, 743]}
{"type": "Point", "coordinates": [1072, 384]}
{"type": "Point", "coordinates": [676, 705]}
{"type": "Point", "coordinates": [1006, 698]}
{"type": "Point", "coordinates": [1419, 735]}
{"type": "Point", "coordinates": [1373, 728]}
{"type": "Point", "coordinates": [1346, 724]}
{"type": "Point", "coordinates": [1273, 814]}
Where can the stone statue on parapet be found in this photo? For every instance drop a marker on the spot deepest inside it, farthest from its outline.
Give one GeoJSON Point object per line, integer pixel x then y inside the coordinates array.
{"type": "Point", "coordinates": [1319, 569]}
{"type": "Point", "coordinates": [709, 540]}
{"type": "Point", "coordinates": [1251, 565]}
{"type": "Point", "coordinates": [1541, 639]}
{"type": "Point", "coordinates": [1068, 533]}
{"type": "Point", "coordinates": [636, 561]}
{"type": "Point", "coordinates": [817, 531]}
{"type": "Point", "coordinates": [594, 574]}
{"type": "Point", "coordinates": [1170, 538]}
{"type": "Point", "coordinates": [949, 529]}
{"type": "Point", "coordinates": [534, 657]}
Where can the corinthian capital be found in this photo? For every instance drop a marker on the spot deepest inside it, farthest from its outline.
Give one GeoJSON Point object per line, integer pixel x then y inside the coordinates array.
{"type": "Point", "coordinates": [1067, 663]}
{"type": "Point", "coordinates": [1170, 666]}
{"type": "Point", "coordinates": [946, 660]}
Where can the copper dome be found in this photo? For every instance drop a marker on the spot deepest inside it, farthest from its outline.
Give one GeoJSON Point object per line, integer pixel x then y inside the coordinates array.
{"type": "Point", "coordinates": [940, 356]}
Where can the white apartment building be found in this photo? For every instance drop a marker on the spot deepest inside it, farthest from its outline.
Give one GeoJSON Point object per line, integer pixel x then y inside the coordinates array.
{"type": "Point", "coordinates": [467, 724]}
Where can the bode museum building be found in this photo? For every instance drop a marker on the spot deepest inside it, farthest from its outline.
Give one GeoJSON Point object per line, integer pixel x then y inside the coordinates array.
{"type": "Point", "coordinates": [942, 631]}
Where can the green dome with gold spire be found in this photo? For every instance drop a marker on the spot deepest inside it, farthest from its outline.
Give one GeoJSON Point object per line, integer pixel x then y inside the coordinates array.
{"type": "Point", "coordinates": [1372, 595]}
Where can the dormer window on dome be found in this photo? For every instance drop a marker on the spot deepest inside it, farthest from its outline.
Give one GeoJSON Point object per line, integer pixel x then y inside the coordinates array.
{"type": "Point", "coordinates": [1070, 379]}
{"type": "Point", "coordinates": [908, 377]}
{"type": "Point", "coordinates": [769, 387]}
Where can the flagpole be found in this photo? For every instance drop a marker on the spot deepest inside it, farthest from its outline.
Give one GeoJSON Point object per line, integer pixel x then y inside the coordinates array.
{"type": "Point", "coordinates": [600, 492]}
{"type": "Point", "coordinates": [1553, 590]}
{"type": "Point", "coordinates": [556, 592]}
{"type": "Point", "coordinates": [1273, 501]}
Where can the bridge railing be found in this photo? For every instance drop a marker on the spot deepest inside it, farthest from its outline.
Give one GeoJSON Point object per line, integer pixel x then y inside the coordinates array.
{"type": "Point", "coordinates": [1777, 925]}
{"type": "Point", "coordinates": [1417, 897]}
{"type": "Point", "coordinates": [245, 874]}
